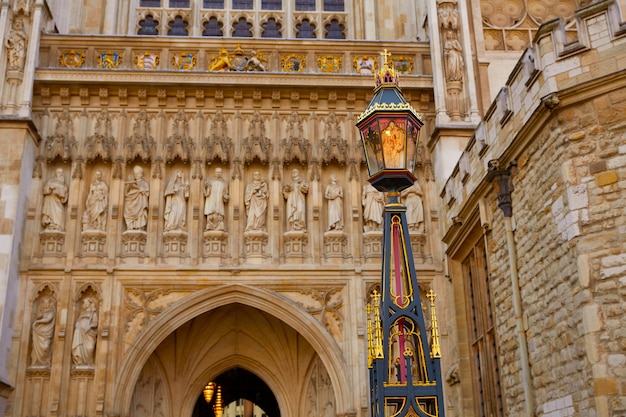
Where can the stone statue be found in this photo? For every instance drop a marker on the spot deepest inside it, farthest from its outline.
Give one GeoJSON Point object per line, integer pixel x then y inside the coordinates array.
{"type": "Point", "coordinates": [295, 194]}
{"type": "Point", "coordinates": [373, 205]}
{"type": "Point", "coordinates": [334, 195]}
{"type": "Point", "coordinates": [55, 193]}
{"type": "Point", "coordinates": [216, 193]}
{"type": "Point", "coordinates": [85, 333]}
{"type": "Point", "coordinates": [95, 215]}
{"type": "Point", "coordinates": [16, 46]}
{"type": "Point", "coordinates": [412, 199]}
{"type": "Point", "coordinates": [176, 195]}
{"type": "Point", "coordinates": [42, 332]}
{"type": "Point", "coordinates": [255, 199]}
{"type": "Point", "coordinates": [453, 53]}
{"type": "Point", "coordinates": [136, 193]}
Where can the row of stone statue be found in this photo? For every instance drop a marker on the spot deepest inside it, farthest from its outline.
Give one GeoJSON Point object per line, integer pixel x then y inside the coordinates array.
{"type": "Point", "coordinates": [137, 190]}
{"type": "Point", "coordinates": [83, 340]}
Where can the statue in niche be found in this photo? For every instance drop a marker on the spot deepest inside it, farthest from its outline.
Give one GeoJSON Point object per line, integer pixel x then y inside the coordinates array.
{"type": "Point", "coordinates": [373, 202]}
{"type": "Point", "coordinates": [55, 193]}
{"type": "Point", "coordinates": [136, 193]}
{"type": "Point", "coordinates": [453, 53]}
{"type": "Point", "coordinates": [176, 195]}
{"type": "Point", "coordinates": [85, 333]}
{"type": "Point", "coordinates": [16, 45]}
{"type": "Point", "coordinates": [334, 195]}
{"type": "Point", "coordinates": [412, 199]}
{"type": "Point", "coordinates": [216, 193]}
{"type": "Point", "coordinates": [255, 199]}
{"type": "Point", "coordinates": [42, 332]}
{"type": "Point", "coordinates": [95, 215]}
{"type": "Point", "coordinates": [295, 193]}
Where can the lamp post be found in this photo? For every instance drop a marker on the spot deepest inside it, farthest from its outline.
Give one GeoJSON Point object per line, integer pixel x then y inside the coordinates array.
{"type": "Point", "coordinates": [405, 374]}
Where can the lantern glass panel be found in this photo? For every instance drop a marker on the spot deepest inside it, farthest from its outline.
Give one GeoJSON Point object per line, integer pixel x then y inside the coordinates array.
{"type": "Point", "coordinates": [413, 131]}
{"type": "Point", "coordinates": [373, 149]}
{"type": "Point", "coordinates": [393, 131]}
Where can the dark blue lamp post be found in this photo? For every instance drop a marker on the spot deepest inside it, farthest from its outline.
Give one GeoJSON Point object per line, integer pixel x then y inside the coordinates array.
{"type": "Point", "coordinates": [403, 358]}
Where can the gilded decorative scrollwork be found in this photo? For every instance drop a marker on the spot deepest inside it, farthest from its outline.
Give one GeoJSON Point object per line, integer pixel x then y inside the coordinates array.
{"type": "Point", "coordinates": [293, 63]}
{"type": "Point", "coordinates": [184, 61]}
{"type": "Point", "coordinates": [146, 60]}
{"type": "Point", "coordinates": [329, 63]}
{"type": "Point", "coordinates": [365, 64]}
{"type": "Point", "coordinates": [71, 58]}
{"type": "Point", "coordinates": [109, 59]}
{"type": "Point", "coordinates": [402, 64]}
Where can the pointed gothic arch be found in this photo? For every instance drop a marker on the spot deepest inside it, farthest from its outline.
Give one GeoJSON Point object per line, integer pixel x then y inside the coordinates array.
{"type": "Point", "coordinates": [211, 298]}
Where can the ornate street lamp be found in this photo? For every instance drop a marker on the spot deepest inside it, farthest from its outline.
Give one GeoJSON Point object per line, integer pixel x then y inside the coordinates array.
{"type": "Point", "coordinates": [405, 374]}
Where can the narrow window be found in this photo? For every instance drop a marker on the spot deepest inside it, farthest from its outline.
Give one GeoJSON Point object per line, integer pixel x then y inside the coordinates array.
{"type": "Point", "coordinates": [150, 3]}
{"type": "Point", "coordinates": [213, 4]}
{"type": "Point", "coordinates": [334, 30]}
{"type": "Point", "coordinates": [178, 27]}
{"type": "Point", "coordinates": [243, 29]}
{"type": "Point", "coordinates": [179, 3]}
{"type": "Point", "coordinates": [242, 4]}
{"type": "Point", "coordinates": [271, 29]}
{"type": "Point", "coordinates": [305, 30]}
{"type": "Point", "coordinates": [148, 26]}
{"type": "Point", "coordinates": [271, 4]}
{"type": "Point", "coordinates": [483, 352]}
{"type": "Point", "coordinates": [333, 5]}
{"type": "Point", "coordinates": [213, 27]}
{"type": "Point", "coordinates": [305, 5]}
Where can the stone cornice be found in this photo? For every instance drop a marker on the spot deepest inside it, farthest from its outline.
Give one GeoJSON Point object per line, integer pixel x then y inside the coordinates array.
{"type": "Point", "coordinates": [222, 80]}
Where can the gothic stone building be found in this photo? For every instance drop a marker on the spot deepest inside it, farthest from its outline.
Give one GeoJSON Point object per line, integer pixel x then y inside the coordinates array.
{"type": "Point", "coordinates": [183, 200]}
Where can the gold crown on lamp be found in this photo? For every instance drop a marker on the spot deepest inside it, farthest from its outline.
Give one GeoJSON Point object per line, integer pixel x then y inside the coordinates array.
{"type": "Point", "coordinates": [387, 75]}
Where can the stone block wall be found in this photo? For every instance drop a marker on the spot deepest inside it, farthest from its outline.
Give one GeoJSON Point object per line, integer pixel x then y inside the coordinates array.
{"type": "Point", "coordinates": [559, 125]}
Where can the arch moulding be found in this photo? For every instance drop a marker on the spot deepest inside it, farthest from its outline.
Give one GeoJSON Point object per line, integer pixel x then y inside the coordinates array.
{"type": "Point", "coordinates": [211, 298]}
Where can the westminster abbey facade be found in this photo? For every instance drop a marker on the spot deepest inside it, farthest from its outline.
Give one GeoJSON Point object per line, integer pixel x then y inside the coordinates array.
{"type": "Point", "coordinates": [184, 201]}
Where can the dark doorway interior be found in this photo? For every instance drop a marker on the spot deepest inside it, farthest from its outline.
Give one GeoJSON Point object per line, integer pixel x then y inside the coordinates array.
{"type": "Point", "coordinates": [238, 384]}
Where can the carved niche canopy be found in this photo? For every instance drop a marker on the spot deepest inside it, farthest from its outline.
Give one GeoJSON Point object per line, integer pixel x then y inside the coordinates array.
{"type": "Point", "coordinates": [62, 142]}
{"type": "Point", "coordinates": [102, 143]}
{"type": "Point", "coordinates": [179, 145]}
{"type": "Point", "coordinates": [295, 148]}
{"type": "Point", "coordinates": [256, 146]}
{"type": "Point", "coordinates": [140, 144]}
{"type": "Point", "coordinates": [217, 145]}
{"type": "Point", "coordinates": [333, 146]}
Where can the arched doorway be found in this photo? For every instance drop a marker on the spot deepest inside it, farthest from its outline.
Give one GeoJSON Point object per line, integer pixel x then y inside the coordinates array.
{"type": "Point", "coordinates": [222, 344]}
{"type": "Point", "coordinates": [242, 394]}
{"type": "Point", "coordinates": [304, 343]}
